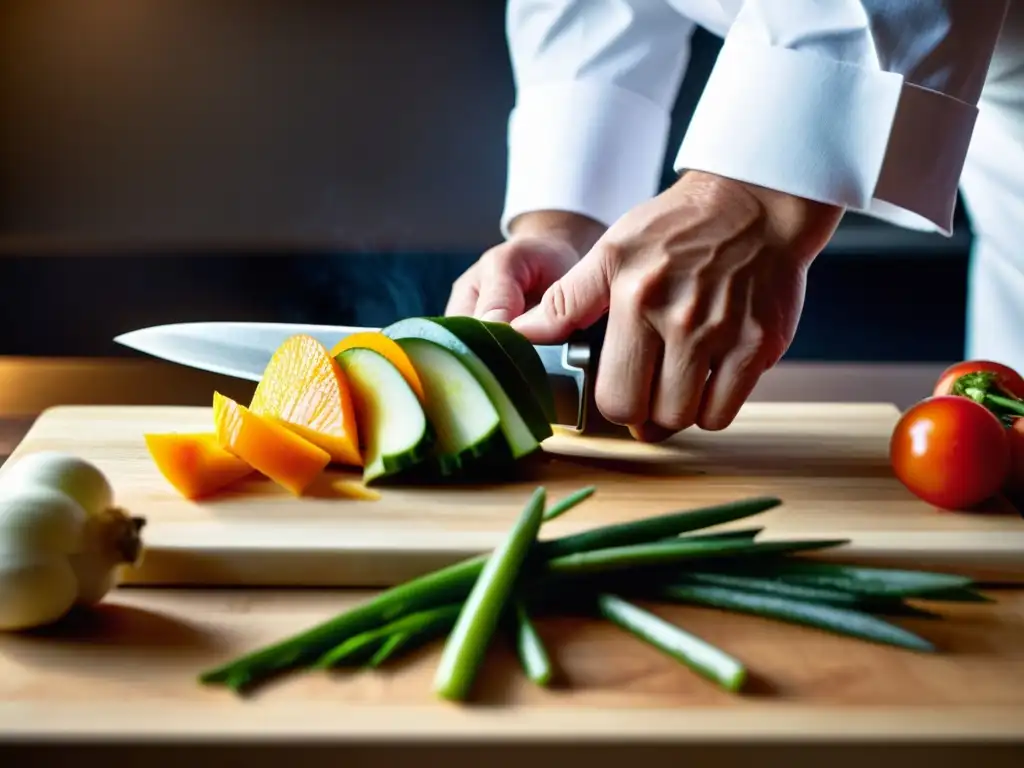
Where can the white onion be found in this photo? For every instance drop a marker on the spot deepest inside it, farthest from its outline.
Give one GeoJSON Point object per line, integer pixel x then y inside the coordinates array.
{"type": "Point", "coordinates": [64, 472]}
{"type": "Point", "coordinates": [62, 540]}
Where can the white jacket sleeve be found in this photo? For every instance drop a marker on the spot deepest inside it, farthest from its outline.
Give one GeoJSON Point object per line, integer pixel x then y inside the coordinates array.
{"type": "Point", "coordinates": [867, 105]}
{"type": "Point", "coordinates": [595, 84]}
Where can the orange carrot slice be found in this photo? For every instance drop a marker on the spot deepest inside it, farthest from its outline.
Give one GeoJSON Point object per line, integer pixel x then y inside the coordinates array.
{"type": "Point", "coordinates": [285, 457]}
{"type": "Point", "coordinates": [195, 464]}
{"type": "Point", "coordinates": [390, 350]}
{"type": "Point", "coordinates": [304, 388]}
{"type": "Point", "coordinates": [355, 489]}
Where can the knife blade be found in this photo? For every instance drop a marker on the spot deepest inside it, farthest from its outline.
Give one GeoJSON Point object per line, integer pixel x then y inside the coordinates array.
{"type": "Point", "coordinates": [242, 350]}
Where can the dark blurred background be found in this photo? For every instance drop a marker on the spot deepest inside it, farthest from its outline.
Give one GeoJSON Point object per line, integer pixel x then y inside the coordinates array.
{"type": "Point", "coordinates": [319, 161]}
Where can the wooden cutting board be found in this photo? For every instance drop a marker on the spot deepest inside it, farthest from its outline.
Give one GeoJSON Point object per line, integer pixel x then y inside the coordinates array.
{"type": "Point", "coordinates": [827, 462]}
{"type": "Point", "coordinates": [125, 673]}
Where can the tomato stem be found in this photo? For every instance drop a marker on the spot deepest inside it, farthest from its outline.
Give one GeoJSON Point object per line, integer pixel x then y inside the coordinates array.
{"type": "Point", "coordinates": [1014, 405]}
{"type": "Point", "coordinates": [983, 388]}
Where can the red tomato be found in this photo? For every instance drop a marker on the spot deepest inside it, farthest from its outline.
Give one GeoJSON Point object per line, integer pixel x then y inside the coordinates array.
{"type": "Point", "coordinates": [950, 452]}
{"type": "Point", "coordinates": [1010, 381]}
{"type": "Point", "coordinates": [1015, 483]}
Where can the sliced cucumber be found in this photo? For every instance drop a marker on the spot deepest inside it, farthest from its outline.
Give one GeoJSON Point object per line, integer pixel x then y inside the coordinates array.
{"type": "Point", "coordinates": [474, 334]}
{"type": "Point", "coordinates": [462, 415]}
{"type": "Point", "coordinates": [514, 426]}
{"type": "Point", "coordinates": [527, 361]}
{"type": "Point", "coordinates": [392, 424]}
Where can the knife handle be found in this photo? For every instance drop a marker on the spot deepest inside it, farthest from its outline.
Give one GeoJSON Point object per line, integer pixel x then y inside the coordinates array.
{"type": "Point", "coordinates": [584, 352]}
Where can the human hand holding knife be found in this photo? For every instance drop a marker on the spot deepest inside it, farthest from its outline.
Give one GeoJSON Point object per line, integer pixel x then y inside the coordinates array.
{"type": "Point", "coordinates": [700, 290]}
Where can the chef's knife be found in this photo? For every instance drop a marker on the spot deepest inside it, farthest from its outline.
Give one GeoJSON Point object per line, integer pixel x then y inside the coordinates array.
{"type": "Point", "coordinates": [242, 350]}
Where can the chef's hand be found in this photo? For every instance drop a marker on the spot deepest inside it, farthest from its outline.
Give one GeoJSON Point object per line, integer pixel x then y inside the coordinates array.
{"type": "Point", "coordinates": [703, 285]}
{"type": "Point", "coordinates": [511, 278]}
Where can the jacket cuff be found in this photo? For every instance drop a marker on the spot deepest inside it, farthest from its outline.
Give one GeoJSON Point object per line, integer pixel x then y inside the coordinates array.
{"type": "Point", "coordinates": [587, 148]}
{"type": "Point", "coordinates": [830, 131]}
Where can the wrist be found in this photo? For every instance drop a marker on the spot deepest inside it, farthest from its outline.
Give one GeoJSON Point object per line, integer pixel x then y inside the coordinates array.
{"type": "Point", "coordinates": [573, 229]}
{"type": "Point", "coordinates": [794, 224]}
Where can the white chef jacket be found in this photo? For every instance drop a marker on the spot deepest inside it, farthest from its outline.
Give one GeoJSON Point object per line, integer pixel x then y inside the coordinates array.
{"type": "Point", "coordinates": [871, 105]}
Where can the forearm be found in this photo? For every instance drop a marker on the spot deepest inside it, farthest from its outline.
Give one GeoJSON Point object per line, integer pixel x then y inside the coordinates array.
{"type": "Point", "coordinates": [581, 232]}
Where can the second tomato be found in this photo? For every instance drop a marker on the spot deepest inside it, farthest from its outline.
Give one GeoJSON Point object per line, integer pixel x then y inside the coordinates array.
{"type": "Point", "coordinates": [1009, 380]}
{"type": "Point", "coordinates": [1015, 483]}
{"type": "Point", "coordinates": [950, 452]}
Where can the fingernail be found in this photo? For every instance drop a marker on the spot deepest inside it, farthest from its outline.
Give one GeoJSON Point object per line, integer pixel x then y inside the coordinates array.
{"type": "Point", "coordinates": [496, 316]}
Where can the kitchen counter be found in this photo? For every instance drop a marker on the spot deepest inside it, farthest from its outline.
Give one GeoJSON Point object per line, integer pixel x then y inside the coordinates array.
{"type": "Point", "coordinates": [123, 679]}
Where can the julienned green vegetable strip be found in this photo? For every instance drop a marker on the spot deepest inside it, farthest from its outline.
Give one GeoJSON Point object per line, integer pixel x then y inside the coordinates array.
{"type": "Point", "coordinates": [661, 553]}
{"type": "Point", "coordinates": [388, 648]}
{"type": "Point", "coordinates": [859, 579]}
{"type": "Point", "coordinates": [749, 534]}
{"type": "Point", "coordinates": [827, 617]}
{"type": "Point", "coordinates": [872, 581]}
{"type": "Point", "coordinates": [450, 584]}
{"type": "Point", "coordinates": [443, 616]}
{"type": "Point", "coordinates": [805, 592]}
{"type": "Point", "coordinates": [530, 647]}
{"type": "Point", "coordinates": [774, 587]}
{"type": "Point", "coordinates": [469, 639]}
{"type": "Point", "coordinates": [357, 650]}
{"type": "Point", "coordinates": [562, 506]}
{"type": "Point", "coordinates": [433, 589]}
{"type": "Point", "coordinates": [694, 652]}
{"type": "Point", "coordinates": [654, 528]}
{"type": "Point", "coordinates": [955, 595]}
{"type": "Point", "coordinates": [415, 639]}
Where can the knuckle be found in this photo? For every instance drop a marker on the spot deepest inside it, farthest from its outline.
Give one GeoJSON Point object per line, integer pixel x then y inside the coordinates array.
{"type": "Point", "coordinates": [640, 290]}
{"type": "Point", "coordinates": [465, 282]}
{"type": "Point", "coordinates": [754, 338]}
{"type": "Point", "coordinates": [615, 408]}
{"type": "Point", "coordinates": [773, 347]}
{"type": "Point", "coordinates": [676, 417]}
{"type": "Point", "coordinates": [611, 253]}
{"type": "Point", "coordinates": [556, 301]}
{"type": "Point", "coordinates": [626, 295]}
{"type": "Point", "coordinates": [651, 284]}
{"type": "Point", "coordinates": [652, 432]}
{"type": "Point", "coordinates": [619, 259]}
{"type": "Point", "coordinates": [470, 275]}
{"type": "Point", "coordinates": [683, 318]}
{"type": "Point", "coordinates": [760, 345]}
{"type": "Point", "coordinates": [716, 421]}
{"type": "Point", "coordinates": [719, 328]}
{"type": "Point", "coordinates": [502, 256]}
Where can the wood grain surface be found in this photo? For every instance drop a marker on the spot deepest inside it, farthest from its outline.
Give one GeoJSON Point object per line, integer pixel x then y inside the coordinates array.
{"type": "Point", "coordinates": [827, 462]}
{"type": "Point", "coordinates": [129, 668]}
